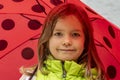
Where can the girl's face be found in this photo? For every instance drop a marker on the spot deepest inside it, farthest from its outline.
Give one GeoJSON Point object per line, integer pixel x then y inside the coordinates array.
{"type": "Point", "coordinates": [67, 40]}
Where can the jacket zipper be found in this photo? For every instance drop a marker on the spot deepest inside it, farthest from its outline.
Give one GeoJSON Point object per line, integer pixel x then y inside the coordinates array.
{"type": "Point", "coordinates": [64, 71]}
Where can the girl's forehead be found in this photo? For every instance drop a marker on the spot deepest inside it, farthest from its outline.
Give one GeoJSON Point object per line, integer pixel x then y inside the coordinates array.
{"type": "Point", "coordinates": [71, 18]}
{"type": "Point", "coordinates": [68, 22]}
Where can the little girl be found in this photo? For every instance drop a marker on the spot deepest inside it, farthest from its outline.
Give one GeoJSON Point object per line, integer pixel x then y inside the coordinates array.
{"type": "Point", "coordinates": [66, 48]}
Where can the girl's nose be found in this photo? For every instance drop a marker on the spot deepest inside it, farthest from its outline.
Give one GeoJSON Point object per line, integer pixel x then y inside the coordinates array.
{"type": "Point", "coordinates": [67, 42]}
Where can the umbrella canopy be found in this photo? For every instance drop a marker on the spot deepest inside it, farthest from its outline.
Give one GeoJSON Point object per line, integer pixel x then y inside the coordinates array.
{"type": "Point", "coordinates": [20, 27]}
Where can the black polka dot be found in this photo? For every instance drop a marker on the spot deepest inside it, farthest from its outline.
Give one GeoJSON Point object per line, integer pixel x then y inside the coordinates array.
{"type": "Point", "coordinates": [107, 42]}
{"type": "Point", "coordinates": [1, 6]}
{"type": "Point", "coordinates": [111, 31]}
{"type": "Point", "coordinates": [8, 24]}
{"type": "Point", "coordinates": [27, 53]}
{"type": "Point", "coordinates": [3, 44]}
{"type": "Point", "coordinates": [88, 9]}
{"type": "Point", "coordinates": [34, 24]}
{"type": "Point", "coordinates": [38, 8]}
{"type": "Point", "coordinates": [18, 0]}
{"type": "Point", "coordinates": [56, 2]}
{"type": "Point", "coordinates": [111, 71]}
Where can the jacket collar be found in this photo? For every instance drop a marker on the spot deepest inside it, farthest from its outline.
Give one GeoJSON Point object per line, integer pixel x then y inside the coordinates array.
{"type": "Point", "coordinates": [53, 70]}
{"type": "Point", "coordinates": [70, 67]}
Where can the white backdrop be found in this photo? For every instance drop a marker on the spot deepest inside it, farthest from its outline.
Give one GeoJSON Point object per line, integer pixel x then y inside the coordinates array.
{"type": "Point", "coordinates": [109, 9]}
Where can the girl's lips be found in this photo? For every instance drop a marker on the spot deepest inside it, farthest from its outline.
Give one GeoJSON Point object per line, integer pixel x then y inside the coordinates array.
{"type": "Point", "coordinates": [66, 49]}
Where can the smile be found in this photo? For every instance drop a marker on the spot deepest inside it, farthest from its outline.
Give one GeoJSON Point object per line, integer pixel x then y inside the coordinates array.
{"type": "Point", "coordinates": [66, 49]}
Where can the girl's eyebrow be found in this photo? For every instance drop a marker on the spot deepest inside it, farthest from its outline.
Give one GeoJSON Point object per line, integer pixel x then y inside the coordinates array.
{"type": "Point", "coordinates": [58, 30]}
{"type": "Point", "coordinates": [76, 30]}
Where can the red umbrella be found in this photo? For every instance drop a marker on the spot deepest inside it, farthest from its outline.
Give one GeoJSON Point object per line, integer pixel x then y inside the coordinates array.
{"type": "Point", "coordinates": [21, 22]}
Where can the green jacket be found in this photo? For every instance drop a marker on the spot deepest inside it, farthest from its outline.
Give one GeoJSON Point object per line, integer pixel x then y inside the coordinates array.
{"type": "Point", "coordinates": [70, 70]}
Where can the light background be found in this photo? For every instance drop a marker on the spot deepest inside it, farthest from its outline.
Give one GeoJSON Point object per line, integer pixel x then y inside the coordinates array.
{"type": "Point", "coordinates": [109, 9]}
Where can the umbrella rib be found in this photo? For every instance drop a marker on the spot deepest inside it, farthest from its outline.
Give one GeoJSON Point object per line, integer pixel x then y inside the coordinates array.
{"type": "Point", "coordinates": [100, 44]}
{"type": "Point", "coordinates": [40, 7]}
{"type": "Point", "coordinates": [19, 46]}
{"type": "Point", "coordinates": [46, 4]}
{"type": "Point", "coordinates": [25, 14]}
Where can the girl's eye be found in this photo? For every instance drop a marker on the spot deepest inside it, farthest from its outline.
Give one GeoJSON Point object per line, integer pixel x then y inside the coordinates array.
{"type": "Point", "coordinates": [75, 34]}
{"type": "Point", "coordinates": [57, 34]}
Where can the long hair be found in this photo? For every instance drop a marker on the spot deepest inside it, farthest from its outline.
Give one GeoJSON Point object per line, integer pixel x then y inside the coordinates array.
{"type": "Point", "coordinates": [89, 54]}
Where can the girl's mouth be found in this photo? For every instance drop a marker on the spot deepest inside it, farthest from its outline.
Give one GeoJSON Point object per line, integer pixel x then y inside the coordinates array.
{"type": "Point", "coordinates": [66, 49]}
